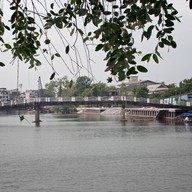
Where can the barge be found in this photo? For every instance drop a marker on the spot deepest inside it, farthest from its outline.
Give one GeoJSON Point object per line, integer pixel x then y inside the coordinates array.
{"type": "Point", "coordinates": [154, 113]}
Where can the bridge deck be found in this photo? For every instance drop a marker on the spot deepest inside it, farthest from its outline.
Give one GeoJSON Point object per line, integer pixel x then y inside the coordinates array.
{"type": "Point", "coordinates": [127, 101]}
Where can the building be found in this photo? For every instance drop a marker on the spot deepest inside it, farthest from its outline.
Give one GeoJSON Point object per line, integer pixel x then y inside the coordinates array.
{"type": "Point", "coordinates": [134, 82]}
{"type": "Point", "coordinates": [30, 95]}
{"type": "Point", "coordinates": [14, 95]}
{"type": "Point", "coordinates": [157, 88]}
{"type": "Point", "coordinates": [4, 95]}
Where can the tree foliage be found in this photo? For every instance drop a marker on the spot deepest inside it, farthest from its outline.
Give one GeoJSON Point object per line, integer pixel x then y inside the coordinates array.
{"type": "Point", "coordinates": [82, 83]}
{"type": "Point", "coordinates": [59, 86]}
{"type": "Point", "coordinates": [82, 87]}
{"type": "Point", "coordinates": [110, 25]}
{"type": "Point", "coordinates": [141, 91]}
{"type": "Point", "coordinates": [186, 86]}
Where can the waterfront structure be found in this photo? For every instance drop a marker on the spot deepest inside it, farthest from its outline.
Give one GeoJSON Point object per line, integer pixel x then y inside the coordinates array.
{"type": "Point", "coordinates": [30, 95]}
{"type": "Point", "coordinates": [4, 95]}
{"type": "Point", "coordinates": [154, 113]}
{"type": "Point", "coordinates": [186, 98]}
{"type": "Point", "coordinates": [15, 95]}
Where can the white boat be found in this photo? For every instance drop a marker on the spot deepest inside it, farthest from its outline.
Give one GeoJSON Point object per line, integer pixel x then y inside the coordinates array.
{"type": "Point", "coordinates": [188, 119]}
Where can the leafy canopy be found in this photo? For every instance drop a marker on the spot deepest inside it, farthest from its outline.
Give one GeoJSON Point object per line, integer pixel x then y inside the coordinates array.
{"type": "Point", "coordinates": [110, 25]}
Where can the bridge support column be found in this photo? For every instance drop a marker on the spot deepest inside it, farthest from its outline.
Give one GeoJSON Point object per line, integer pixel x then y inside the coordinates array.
{"type": "Point", "coordinates": [123, 119]}
{"type": "Point", "coordinates": [37, 118]}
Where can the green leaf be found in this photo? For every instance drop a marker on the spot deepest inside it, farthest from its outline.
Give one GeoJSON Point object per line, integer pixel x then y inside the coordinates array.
{"type": "Point", "coordinates": [72, 31]}
{"type": "Point", "coordinates": [109, 79]}
{"type": "Point", "coordinates": [107, 12]}
{"type": "Point", "coordinates": [131, 71]}
{"type": "Point", "coordinates": [142, 69]}
{"type": "Point", "coordinates": [8, 46]}
{"type": "Point", "coordinates": [155, 58]}
{"type": "Point", "coordinates": [169, 17]}
{"type": "Point", "coordinates": [148, 33]}
{"type": "Point", "coordinates": [158, 54]}
{"type": "Point", "coordinates": [52, 5]}
{"type": "Point", "coordinates": [59, 23]}
{"type": "Point", "coordinates": [31, 66]}
{"type": "Point", "coordinates": [1, 39]}
{"type": "Point", "coordinates": [72, 1]}
{"type": "Point", "coordinates": [165, 41]}
{"type": "Point", "coordinates": [2, 64]}
{"type": "Point", "coordinates": [99, 47]}
{"type": "Point", "coordinates": [82, 12]}
{"type": "Point", "coordinates": [169, 23]}
{"type": "Point", "coordinates": [52, 76]}
{"type": "Point", "coordinates": [173, 44]}
{"type": "Point", "coordinates": [57, 55]}
{"type": "Point", "coordinates": [13, 17]}
{"type": "Point", "coordinates": [47, 25]}
{"type": "Point", "coordinates": [175, 12]}
{"type": "Point", "coordinates": [80, 31]}
{"type": "Point", "coordinates": [37, 62]}
{"type": "Point", "coordinates": [47, 41]}
{"type": "Point", "coordinates": [168, 30]}
{"type": "Point", "coordinates": [31, 28]}
{"type": "Point", "coordinates": [146, 57]}
{"type": "Point", "coordinates": [161, 44]}
{"type": "Point", "coordinates": [67, 49]}
{"type": "Point", "coordinates": [121, 75]}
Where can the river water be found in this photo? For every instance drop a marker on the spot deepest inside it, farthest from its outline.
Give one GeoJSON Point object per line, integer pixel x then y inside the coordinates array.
{"type": "Point", "coordinates": [94, 154]}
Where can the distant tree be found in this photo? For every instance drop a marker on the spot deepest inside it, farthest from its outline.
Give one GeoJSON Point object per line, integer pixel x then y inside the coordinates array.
{"type": "Point", "coordinates": [186, 86]}
{"type": "Point", "coordinates": [141, 91]}
{"type": "Point", "coordinates": [51, 87]}
{"type": "Point", "coordinates": [123, 89]}
{"type": "Point", "coordinates": [172, 85]}
{"type": "Point", "coordinates": [156, 96]}
{"type": "Point", "coordinates": [82, 83]}
{"type": "Point", "coordinates": [99, 89]}
{"type": "Point", "coordinates": [61, 86]}
{"type": "Point", "coordinates": [172, 91]}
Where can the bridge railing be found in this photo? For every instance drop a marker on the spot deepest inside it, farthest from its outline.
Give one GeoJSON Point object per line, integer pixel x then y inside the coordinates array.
{"type": "Point", "coordinates": [85, 99]}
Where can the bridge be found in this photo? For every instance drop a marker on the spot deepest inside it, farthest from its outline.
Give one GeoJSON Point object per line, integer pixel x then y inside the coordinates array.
{"type": "Point", "coordinates": [39, 103]}
{"type": "Point", "coordinates": [122, 101]}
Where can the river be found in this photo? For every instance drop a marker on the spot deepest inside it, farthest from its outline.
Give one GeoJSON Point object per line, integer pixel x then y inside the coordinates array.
{"type": "Point", "coordinates": [94, 154]}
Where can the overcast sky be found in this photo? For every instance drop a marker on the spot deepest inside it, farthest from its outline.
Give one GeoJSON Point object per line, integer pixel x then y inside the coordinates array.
{"type": "Point", "coordinates": [175, 66]}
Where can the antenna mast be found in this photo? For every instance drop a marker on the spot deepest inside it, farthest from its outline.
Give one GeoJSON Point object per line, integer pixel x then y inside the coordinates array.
{"type": "Point", "coordinates": [40, 88]}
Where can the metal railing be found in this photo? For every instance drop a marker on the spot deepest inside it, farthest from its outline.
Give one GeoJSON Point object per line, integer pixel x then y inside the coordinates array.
{"type": "Point", "coordinates": [83, 99]}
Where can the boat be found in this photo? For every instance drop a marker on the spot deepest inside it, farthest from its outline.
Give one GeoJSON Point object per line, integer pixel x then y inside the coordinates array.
{"type": "Point", "coordinates": [187, 117]}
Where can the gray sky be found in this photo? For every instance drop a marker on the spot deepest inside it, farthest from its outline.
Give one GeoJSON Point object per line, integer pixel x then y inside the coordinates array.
{"type": "Point", "coordinates": [175, 66]}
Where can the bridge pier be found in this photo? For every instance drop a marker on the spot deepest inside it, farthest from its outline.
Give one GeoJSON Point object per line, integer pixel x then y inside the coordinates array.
{"type": "Point", "coordinates": [37, 115]}
{"type": "Point", "coordinates": [123, 119]}
{"type": "Point", "coordinates": [37, 118]}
